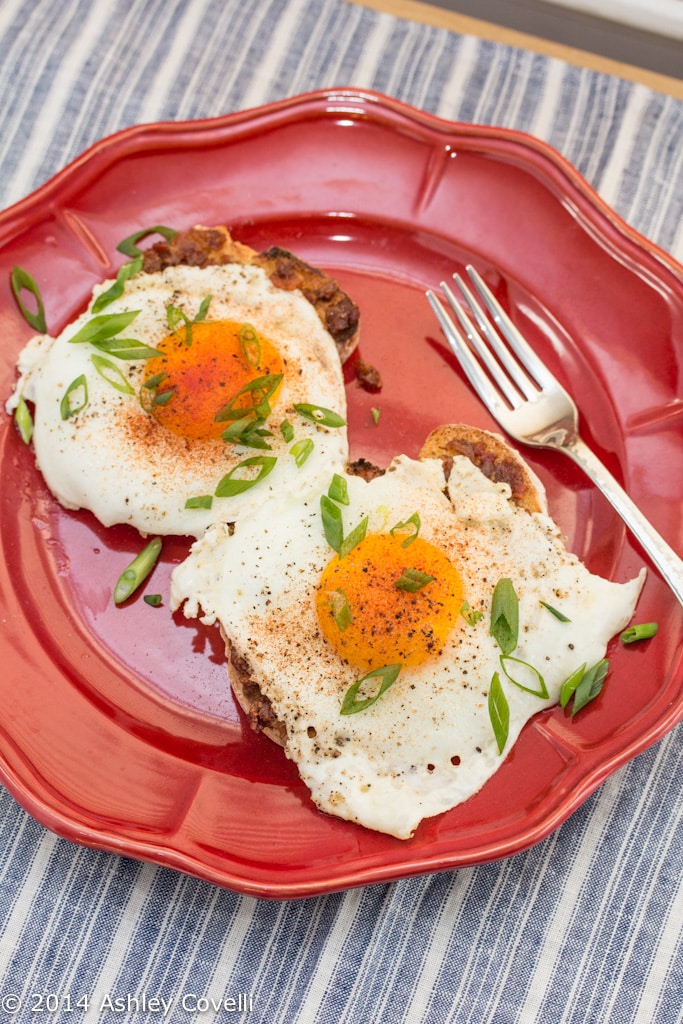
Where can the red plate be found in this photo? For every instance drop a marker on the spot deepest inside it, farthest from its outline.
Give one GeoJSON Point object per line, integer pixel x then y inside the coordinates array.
{"type": "Point", "coordinates": [117, 726]}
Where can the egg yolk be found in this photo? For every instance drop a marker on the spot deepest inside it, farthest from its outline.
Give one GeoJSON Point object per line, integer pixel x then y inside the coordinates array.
{"type": "Point", "coordinates": [201, 370]}
{"type": "Point", "coordinates": [370, 620]}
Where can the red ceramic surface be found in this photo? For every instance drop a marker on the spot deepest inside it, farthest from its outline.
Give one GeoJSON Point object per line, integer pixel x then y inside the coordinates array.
{"type": "Point", "coordinates": [117, 729]}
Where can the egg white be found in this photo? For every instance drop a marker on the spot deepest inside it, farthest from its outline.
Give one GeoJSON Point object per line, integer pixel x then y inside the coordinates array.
{"type": "Point", "coordinates": [427, 744]}
{"type": "Point", "coordinates": [94, 460]}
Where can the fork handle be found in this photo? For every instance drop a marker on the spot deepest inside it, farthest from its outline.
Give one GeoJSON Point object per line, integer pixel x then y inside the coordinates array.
{"type": "Point", "coordinates": [663, 556]}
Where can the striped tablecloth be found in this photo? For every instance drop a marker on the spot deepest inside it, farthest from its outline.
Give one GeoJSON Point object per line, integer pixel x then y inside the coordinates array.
{"type": "Point", "coordinates": [585, 926]}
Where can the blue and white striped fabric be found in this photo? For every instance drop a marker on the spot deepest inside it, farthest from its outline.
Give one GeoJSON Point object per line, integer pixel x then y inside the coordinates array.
{"type": "Point", "coordinates": [584, 927]}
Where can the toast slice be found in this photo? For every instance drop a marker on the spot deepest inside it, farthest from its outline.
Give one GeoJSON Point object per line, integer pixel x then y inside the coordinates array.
{"type": "Point", "coordinates": [491, 454]}
{"type": "Point", "coordinates": [203, 246]}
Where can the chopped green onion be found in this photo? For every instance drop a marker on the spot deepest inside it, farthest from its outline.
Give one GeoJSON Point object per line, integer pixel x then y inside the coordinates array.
{"type": "Point", "coordinates": [150, 395]}
{"type": "Point", "coordinates": [505, 616]}
{"type": "Point", "coordinates": [129, 245]}
{"type": "Point", "coordinates": [124, 274]}
{"type": "Point", "coordinates": [153, 599]}
{"type": "Point", "coordinates": [334, 529]}
{"type": "Point", "coordinates": [250, 345]}
{"type": "Point", "coordinates": [23, 420]}
{"type": "Point", "coordinates": [137, 572]}
{"type": "Point", "coordinates": [301, 450]}
{"type": "Point", "coordinates": [318, 414]}
{"type": "Point", "coordinates": [590, 685]}
{"type": "Point", "coordinates": [470, 615]}
{"type": "Point", "coordinates": [553, 611]}
{"type": "Point", "coordinates": [163, 397]}
{"type": "Point", "coordinates": [260, 389]}
{"type": "Point", "coordinates": [411, 526]}
{"type": "Point", "coordinates": [231, 485]}
{"type": "Point", "coordinates": [287, 431]}
{"type": "Point", "coordinates": [351, 705]}
{"type": "Point", "coordinates": [333, 526]}
{"type": "Point", "coordinates": [203, 309]}
{"type": "Point", "coordinates": [74, 398]}
{"type": "Point", "coordinates": [354, 538]}
{"type": "Point", "coordinates": [175, 315]}
{"type": "Point", "coordinates": [412, 580]}
{"type": "Point", "coordinates": [542, 690]}
{"type": "Point", "coordinates": [111, 373]}
{"type": "Point", "coordinates": [339, 490]}
{"type": "Point", "coordinates": [247, 431]}
{"type": "Point", "coordinates": [102, 327]}
{"type": "Point", "coordinates": [569, 685]}
{"type": "Point", "coordinates": [126, 348]}
{"type": "Point", "coordinates": [639, 631]}
{"type": "Point", "coordinates": [341, 609]}
{"type": "Point", "coordinates": [201, 501]}
{"type": "Point", "coordinates": [499, 712]}
{"type": "Point", "coordinates": [375, 415]}
{"type": "Point", "coordinates": [152, 383]}
{"type": "Point", "coordinates": [21, 280]}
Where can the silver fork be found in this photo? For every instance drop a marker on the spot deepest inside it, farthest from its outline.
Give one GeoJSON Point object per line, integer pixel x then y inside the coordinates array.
{"type": "Point", "coordinates": [531, 405]}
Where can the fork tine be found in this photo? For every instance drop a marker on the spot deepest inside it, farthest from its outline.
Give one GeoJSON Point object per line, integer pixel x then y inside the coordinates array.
{"type": "Point", "coordinates": [469, 364]}
{"type": "Point", "coordinates": [524, 383]}
{"type": "Point", "coordinates": [516, 340]}
{"type": "Point", "coordinates": [484, 353]}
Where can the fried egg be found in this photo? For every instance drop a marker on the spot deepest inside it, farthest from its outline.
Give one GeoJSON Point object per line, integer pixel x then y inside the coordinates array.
{"type": "Point", "coordinates": [188, 399]}
{"type": "Point", "coordinates": [364, 615]}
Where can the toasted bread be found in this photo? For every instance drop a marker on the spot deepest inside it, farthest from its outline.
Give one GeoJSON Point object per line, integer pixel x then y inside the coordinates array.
{"type": "Point", "coordinates": [492, 455]}
{"type": "Point", "coordinates": [202, 246]}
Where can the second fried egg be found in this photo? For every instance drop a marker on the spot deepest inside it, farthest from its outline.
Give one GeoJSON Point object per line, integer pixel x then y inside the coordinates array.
{"type": "Point", "coordinates": [364, 615]}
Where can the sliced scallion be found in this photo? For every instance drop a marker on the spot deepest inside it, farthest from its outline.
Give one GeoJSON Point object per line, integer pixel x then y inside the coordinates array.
{"type": "Point", "coordinates": [153, 599]}
{"type": "Point", "coordinates": [499, 712]}
{"type": "Point", "coordinates": [74, 398]}
{"type": "Point", "coordinates": [21, 280]}
{"type": "Point", "coordinates": [137, 572]}
{"type": "Point", "coordinates": [412, 580]}
{"type": "Point", "coordinates": [125, 272]}
{"type": "Point", "coordinates": [259, 390]}
{"type": "Point", "coordinates": [411, 528]}
{"type": "Point", "coordinates": [287, 431]}
{"type": "Point", "coordinates": [23, 420]}
{"type": "Point", "coordinates": [590, 686]}
{"type": "Point", "coordinates": [351, 704]}
{"type": "Point", "coordinates": [129, 245]}
{"type": "Point", "coordinates": [569, 685]}
{"type": "Point", "coordinates": [318, 414]}
{"type": "Point", "coordinates": [250, 346]}
{"type": "Point", "coordinates": [201, 501]}
{"type": "Point", "coordinates": [341, 609]}
{"type": "Point", "coordinates": [352, 539]}
{"type": "Point", "coordinates": [126, 348]}
{"type": "Point", "coordinates": [111, 373]}
{"type": "Point", "coordinates": [247, 431]}
{"type": "Point", "coordinates": [333, 526]}
{"type": "Point", "coordinates": [102, 327]}
{"type": "Point", "coordinates": [339, 490]}
{"type": "Point", "coordinates": [541, 691]}
{"type": "Point", "coordinates": [301, 450]}
{"type": "Point", "coordinates": [554, 611]}
{"type": "Point", "coordinates": [470, 615]}
{"type": "Point", "coordinates": [233, 483]}
{"type": "Point", "coordinates": [175, 316]}
{"type": "Point", "coordinates": [639, 631]}
{"type": "Point", "coordinates": [505, 616]}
